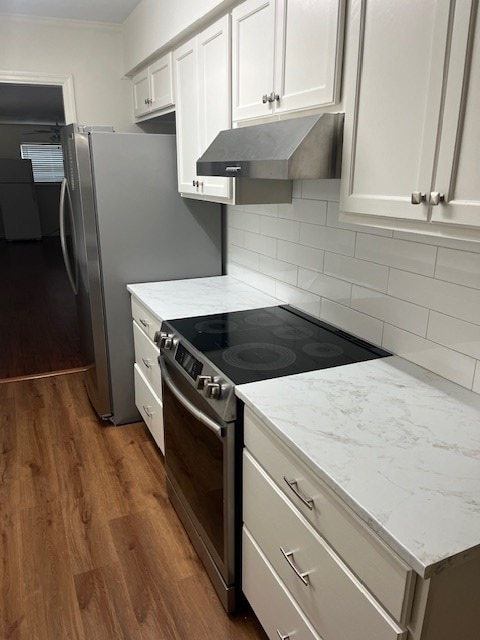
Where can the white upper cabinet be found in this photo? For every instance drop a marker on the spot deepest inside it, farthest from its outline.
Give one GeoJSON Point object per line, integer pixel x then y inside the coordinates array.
{"type": "Point", "coordinates": [457, 177]}
{"type": "Point", "coordinates": [153, 88]}
{"type": "Point", "coordinates": [203, 81]}
{"type": "Point", "coordinates": [286, 55]}
{"type": "Point", "coordinates": [187, 115]}
{"type": "Point", "coordinates": [411, 152]}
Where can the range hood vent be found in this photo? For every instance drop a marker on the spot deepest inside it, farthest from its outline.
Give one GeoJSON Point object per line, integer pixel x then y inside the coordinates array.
{"type": "Point", "coordinates": [309, 147]}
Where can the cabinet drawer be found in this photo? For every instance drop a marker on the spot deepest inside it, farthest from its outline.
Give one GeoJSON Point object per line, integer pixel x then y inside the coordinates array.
{"type": "Point", "coordinates": [146, 357]}
{"type": "Point", "coordinates": [386, 575]}
{"type": "Point", "coordinates": [332, 598]}
{"type": "Point", "coordinates": [145, 320]}
{"type": "Point", "coordinates": [278, 613]}
{"type": "Point", "coordinates": [150, 407]}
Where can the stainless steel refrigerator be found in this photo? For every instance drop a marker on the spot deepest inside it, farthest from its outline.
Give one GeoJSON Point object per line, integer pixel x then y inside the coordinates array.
{"type": "Point", "coordinates": [122, 221]}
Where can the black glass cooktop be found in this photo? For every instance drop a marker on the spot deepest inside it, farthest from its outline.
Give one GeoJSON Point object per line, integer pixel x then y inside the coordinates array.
{"type": "Point", "coordinates": [274, 341]}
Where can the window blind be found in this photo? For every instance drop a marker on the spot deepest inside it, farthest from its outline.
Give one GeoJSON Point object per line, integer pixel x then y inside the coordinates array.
{"type": "Point", "coordinates": [47, 161]}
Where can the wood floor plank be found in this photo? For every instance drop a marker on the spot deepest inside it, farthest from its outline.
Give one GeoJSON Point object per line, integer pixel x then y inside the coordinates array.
{"type": "Point", "coordinates": [12, 613]}
{"type": "Point", "coordinates": [48, 570]}
{"type": "Point", "coordinates": [104, 605]}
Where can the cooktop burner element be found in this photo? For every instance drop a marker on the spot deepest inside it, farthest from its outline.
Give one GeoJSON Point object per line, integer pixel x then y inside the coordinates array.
{"type": "Point", "coordinates": [258, 344]}
{"type": "Point", "coordinates": [259, 356]}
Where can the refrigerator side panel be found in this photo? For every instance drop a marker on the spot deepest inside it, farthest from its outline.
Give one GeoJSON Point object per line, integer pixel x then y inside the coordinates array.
{"type": "Point", "coordinates": [90, 307]}
{"type": "Point", "coordinates": [147, 233]}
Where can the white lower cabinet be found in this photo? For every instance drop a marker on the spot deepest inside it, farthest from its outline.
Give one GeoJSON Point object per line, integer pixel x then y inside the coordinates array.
{"type": "Point", "coordinates": [277, 611]}
{"type": "Point", "coordinates": [150, 406]}
{"type": "Point", "coordinates": [148, 379]}
{"type": "Point", "coordinates": [315, 576]}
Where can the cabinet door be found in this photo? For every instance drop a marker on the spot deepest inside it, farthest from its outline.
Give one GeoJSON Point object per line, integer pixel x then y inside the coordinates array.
{"type": "Point", "coordinates": [187, 101]}
{"type": "Point", "coordinates": [141, 94]}
{"type": "Point", "coordinates": [161, 83]}
{"type": "Point", "coordinates": [393, 98]}
{"type": "Point", "coordinates": [214, 65]}
{"type": "Point", "coordinates": [459, 156]}
{"type": "Point", "coordinates": [253, 48]}
{"type": "Point", "coordinates": [308, 53]}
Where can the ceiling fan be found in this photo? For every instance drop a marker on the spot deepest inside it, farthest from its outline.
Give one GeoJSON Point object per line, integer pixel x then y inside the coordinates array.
{"type": "Point", "coordinates": [52, 130]}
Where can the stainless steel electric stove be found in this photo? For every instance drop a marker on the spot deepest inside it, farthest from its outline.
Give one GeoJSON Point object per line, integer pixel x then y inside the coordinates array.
{"type": "Point", "coordinates": [202, 360]}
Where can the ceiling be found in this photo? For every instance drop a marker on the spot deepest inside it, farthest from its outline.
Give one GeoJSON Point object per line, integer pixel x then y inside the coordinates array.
{"type": "Point", "coordinates": [30, 104]}
{"type": "Point", "coordinates": [113, 11]}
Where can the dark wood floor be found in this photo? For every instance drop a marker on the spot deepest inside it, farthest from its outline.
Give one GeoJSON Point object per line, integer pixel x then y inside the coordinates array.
{"type": "Point", "coordinates": [38, 323]}
{"type": "Point", "coordinates": [90, 546]}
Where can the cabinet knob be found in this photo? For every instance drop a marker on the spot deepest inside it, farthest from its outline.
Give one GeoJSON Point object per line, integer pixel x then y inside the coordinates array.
{"type": "Point", "coordinates": [146, 101]}
{"type": "Point", "coordinates": [193, 183]}
{"type": "Point", "coordinates": [265, 99]}
{"type": "Point", "coordinates": [418, 197]}
{"type": "Point", "coordinates": [436, 198]}
{"type": "Point", "coordinates": [273, 97]}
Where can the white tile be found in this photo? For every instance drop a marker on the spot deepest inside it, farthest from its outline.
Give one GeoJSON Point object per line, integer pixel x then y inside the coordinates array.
{"type": "Point", "coordinates": [253, 278]}
{"type": "Point", "coordinates": [297, 189]}
{"type": "Point", "coordinates": [313, 211]}
{"type": "Point", "coordinates": [333, 221]}
{"type": "Point", "coordinates": [396, 253]}
{"type": "Point", "coordinates": [286, 211]}
{"type": "Point", "coordinates": [451, 299]}
{"type": "Point", "coordinates": [450, 364]}
{"type": "Point", "coordinates": [235, 236]}
{"type": "Point", "coordinates": [308, 302]}
{"type": "Point", "coordinates": [278, 269]}
{"type": "Point", "coordinates": [450, 243]}
{"type": "Point", "coordinates": [280, 228]}
{"type": "Point", "coordinates": [461, 267]}
{"type": "Point", "coordinates": [243, 256]}
{"type": "Point", "coordinates": [300, 255]}
{"type": "Point", "coordinates": [321, 189]}
{"type": "Point", "coordinates": [368, 274]}
{"type": "Point", "coordinates": [262, 209]}
{"type": "Point", "coordinates": [244, 220]}
{"type": "Point", "coordinates": [325, 286]}
{"type": "Point", "coordinates": [476, 380]}
{"type": "Point", "coordinates": [397, 312]}
{"type": "Point", "coordinates": [328, 238]}
{"type": "Point", "coordinates": [352, 321]}
{"type": "Point", "coordinates": [261, 244]}
{"type": "Point", "coordinates": [455, 334]}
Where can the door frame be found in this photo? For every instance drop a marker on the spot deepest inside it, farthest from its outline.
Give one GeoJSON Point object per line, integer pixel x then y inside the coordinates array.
{"type": "Point", "coordinates": [52, 79]}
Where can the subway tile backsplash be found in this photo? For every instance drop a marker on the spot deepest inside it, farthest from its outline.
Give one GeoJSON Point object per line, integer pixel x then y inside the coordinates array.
{"type": "Point", "coordinates": [415, 295]}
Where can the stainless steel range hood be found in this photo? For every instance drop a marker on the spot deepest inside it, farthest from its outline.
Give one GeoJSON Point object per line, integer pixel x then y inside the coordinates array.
{"type": "Point", "coordinates": [299, 148]}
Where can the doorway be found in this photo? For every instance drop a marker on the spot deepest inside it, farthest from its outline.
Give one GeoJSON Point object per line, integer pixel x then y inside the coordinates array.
{"type": "Point", "coordinates": [38, 320]}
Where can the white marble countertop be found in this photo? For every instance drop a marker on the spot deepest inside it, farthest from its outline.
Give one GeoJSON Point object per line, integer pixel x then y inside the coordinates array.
{"type": "Point", "coordinates": [399, 444]}
{"type": "Point", "coordinates": [199, 296]}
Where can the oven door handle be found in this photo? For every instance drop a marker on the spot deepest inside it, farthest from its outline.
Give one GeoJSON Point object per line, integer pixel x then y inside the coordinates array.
{"type": "Point", "coordinates": [218, 430]}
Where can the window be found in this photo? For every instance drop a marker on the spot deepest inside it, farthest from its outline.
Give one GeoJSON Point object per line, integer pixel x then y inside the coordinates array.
{"type": "Point", "coordinates": [47, 161]}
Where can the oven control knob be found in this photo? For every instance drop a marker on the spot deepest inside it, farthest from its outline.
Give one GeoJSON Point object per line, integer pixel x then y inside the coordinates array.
{"type": "Point", "coordinates": [213, 390]}
{"type": "Point", "coordinates": [202, 381]}
{"type": "Point", "coordinates": [166, 341]}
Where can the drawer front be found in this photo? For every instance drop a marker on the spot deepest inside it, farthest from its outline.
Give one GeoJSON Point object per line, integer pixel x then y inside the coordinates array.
{"type": "Point", "coordinates": [278, 613]}
{"type": "Point", "coordinates": [332, 598]}
{"type": "Point", "coordinates": [145, 320]}
{"type": "Point", "coordinates": [386, 575]}
{"type": "Point", "coordinates": [150, 407]}
{"type": "Point", "coordinates": [146, 357]}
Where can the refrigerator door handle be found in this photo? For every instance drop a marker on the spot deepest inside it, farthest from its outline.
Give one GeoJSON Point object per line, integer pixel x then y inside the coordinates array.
{"type": "Point", "coordinates": [63, 240]}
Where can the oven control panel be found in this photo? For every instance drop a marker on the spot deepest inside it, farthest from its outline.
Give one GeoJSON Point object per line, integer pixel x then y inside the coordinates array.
{"type": "Point", "coordinates": [188, 362]}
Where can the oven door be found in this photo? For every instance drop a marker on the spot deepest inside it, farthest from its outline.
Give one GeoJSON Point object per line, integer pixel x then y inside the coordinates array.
{"type": "Point", "coordinates": [199, 461]}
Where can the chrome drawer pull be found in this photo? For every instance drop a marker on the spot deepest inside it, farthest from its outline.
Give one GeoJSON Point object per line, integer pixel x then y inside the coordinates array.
{"type": "Point", "coordinates": [147, 411]}
{"type": "Point", "coordinates": [288, 555]}
{"type": "Point", "coordinates": [144, 322]}
{"type": "Point", "coordinates": [146, 363]}
{"type": "Point", "coordinates": [293, 484]}
{"type": "Point", "coordinates": [283, 637]}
